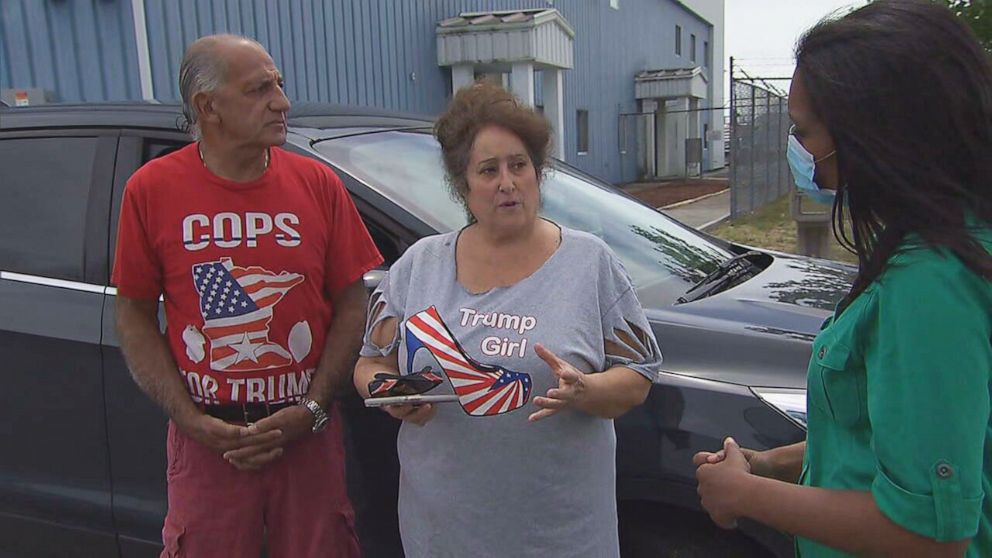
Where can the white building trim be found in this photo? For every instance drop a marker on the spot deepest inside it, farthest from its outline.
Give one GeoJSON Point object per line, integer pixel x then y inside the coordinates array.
{"type": "Point", "coordinates": [144, 55]}
{"type": "Point", "coordinates": [517, 43]}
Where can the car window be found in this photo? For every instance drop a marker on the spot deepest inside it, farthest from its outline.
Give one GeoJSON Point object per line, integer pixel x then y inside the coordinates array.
{"type": "Point", "coordinates": [657, 252]}
{"type": "Point", "coordinates": [46, 183]}
{"type": "Point", "coordinates": [153, 148]}
{"type": "Point", "coordinates": [662, 257]}
{"type": "Point", "coordinates": [405, 167]}
{"type": "Point", "coordinates": [384, 242]}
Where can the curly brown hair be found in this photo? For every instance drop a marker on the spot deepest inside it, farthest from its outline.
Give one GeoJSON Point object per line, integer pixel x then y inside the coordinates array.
{"type": "Point", "coordinates": [473, 108]}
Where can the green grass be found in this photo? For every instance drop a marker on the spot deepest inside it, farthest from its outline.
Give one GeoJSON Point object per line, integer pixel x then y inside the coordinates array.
{"type": "Point", "coordinates": [772, 227]}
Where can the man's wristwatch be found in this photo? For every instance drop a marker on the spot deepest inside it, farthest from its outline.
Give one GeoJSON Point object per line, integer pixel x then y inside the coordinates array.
{"type": "Point", "coordinates": [320, 418]}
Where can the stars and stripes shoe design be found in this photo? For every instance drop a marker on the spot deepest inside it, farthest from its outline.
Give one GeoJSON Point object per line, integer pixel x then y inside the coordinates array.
{"type": "Point", "coordinates": [482, 389]}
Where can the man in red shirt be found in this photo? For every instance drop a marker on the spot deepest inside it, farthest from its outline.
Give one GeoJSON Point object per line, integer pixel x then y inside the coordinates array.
{"type": "Point", "coordinates": [259, 254]}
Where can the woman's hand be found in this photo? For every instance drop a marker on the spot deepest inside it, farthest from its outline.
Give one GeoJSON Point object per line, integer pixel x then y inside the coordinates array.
{"type": "Point", "coordinates": [783, 463]}
{"type": "Point", "coordinates": [721, 484]}
{"type": "Point", "coordinates": [571, 385]}
{"type": "Point", "coordinates": [756, 460]}
{"type": "Point", "coordinates": [417, 414]}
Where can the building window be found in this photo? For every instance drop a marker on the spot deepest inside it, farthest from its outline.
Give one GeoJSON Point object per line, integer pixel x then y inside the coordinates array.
{"type": "Point", "coordinates": [678, 40]}
{"type": "Point", "coordinates": [615, 4]}
{"type": "Point", "coordinates": [706, 54]}
{"type": "Point", "coordinates": [706, 136]}
{"type": "Point", "coordinates": [582, 131]}
{"type": "Point", "coordinates": [692, 47]}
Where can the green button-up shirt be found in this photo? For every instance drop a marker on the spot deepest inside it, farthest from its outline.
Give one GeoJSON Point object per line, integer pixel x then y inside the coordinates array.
{"type": "Point", "coordinates": [898, 400]}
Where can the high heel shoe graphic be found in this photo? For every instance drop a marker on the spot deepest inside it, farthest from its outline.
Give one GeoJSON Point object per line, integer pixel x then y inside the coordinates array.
{"type": "Point", "coordinates": [482, 389]}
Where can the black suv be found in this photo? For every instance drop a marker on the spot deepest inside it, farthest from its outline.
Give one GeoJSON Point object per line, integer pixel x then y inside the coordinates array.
{"type": "Point", "coordinates": [83, 451]}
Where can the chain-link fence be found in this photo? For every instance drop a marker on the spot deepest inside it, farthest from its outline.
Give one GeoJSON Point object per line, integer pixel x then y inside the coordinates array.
{"type": "Point", "coordinates": [759, 127]}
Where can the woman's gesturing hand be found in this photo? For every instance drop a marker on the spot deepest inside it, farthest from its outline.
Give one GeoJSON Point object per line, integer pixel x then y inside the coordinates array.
{"type": "Point", "coordinates": [571, 385]}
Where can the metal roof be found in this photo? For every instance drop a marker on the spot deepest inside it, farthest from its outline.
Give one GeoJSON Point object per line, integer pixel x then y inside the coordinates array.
{"type": "Point", "coordinates": [504, 19]}
{"type": "Point", "coordinates": [499, 39]}
{"type": "Point", "coordinates": [671, 83]}
{"type": "Point", "coordinates": [673, 73]}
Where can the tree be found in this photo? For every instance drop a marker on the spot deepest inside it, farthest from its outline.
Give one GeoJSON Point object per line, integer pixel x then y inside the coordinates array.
{"type": "Point", "coordinates": [977, 14]}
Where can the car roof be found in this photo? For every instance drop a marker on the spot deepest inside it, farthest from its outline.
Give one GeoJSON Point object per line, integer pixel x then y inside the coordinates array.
{"type": "Point", "coordinates": [320, 119]}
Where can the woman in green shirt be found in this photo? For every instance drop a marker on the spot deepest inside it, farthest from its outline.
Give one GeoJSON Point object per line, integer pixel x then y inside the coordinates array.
{"type": "Point", "coordinates": [892, 106]}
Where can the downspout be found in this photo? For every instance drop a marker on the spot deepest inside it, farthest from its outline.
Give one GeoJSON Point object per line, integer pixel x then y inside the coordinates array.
{"type": "Point", "coordinates": [144, 56]}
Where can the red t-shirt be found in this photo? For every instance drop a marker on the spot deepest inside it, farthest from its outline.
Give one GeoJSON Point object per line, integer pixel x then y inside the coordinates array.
{"type": "Point", "coordinates": [248, 270]}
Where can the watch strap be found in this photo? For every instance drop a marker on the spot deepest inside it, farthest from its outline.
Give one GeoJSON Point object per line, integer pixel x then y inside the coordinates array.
{"type": "Point", "coordinates": [320, 418]}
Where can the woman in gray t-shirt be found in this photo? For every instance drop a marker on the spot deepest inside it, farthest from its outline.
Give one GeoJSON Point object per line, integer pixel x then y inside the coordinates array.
{"type": "Point", "coordinates": [540, 340]}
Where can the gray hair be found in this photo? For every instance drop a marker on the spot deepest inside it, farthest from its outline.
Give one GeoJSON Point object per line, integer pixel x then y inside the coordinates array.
{"type": "Point", "coordinates": [203, 69]}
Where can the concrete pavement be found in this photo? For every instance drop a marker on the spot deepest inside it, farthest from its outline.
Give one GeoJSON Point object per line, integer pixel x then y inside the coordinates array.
{"type": "Point", "coordinates": [701, 213]}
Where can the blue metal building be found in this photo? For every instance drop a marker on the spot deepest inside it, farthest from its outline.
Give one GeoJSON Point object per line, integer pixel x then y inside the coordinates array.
{"type": "Point", "coordinates": [640, 83]}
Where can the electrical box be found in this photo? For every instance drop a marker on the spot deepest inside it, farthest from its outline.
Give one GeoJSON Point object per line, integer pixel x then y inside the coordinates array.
{"type": "Point", "coordinates": [813, 225]}
{"type": "Point", "coordinates": [27, 96]}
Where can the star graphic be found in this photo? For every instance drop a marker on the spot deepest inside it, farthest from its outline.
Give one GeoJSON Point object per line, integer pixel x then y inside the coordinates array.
{"type": "Point", "coordinates": [246, 349]}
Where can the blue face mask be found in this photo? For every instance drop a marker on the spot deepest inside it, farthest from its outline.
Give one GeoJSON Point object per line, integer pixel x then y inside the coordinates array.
{"type": "Point", "coordinates": [803, 167]}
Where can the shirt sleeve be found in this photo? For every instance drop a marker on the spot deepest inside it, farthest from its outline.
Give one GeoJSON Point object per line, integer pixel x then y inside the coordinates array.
{"type": "Point", "coordinates": [351, 251]}
{"type": "Point", "coordinates": [928, 398]}
{"type": "Point", "coordinates": [382, 306]}
{"type": "Point", "coordinates": [137, 271]}
{"type": "Point", "coordinates": [388, 300]}
{"type": "Point", "coordinates": [629, 341]}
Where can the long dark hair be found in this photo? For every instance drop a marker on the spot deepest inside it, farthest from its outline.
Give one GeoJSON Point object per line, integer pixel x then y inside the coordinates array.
{"type": "Point", "coordinates": [905, 90]}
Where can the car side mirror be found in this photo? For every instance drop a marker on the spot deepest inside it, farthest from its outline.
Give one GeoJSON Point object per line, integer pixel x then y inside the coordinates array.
{"type": "Point", "coordinates": [373, 277]}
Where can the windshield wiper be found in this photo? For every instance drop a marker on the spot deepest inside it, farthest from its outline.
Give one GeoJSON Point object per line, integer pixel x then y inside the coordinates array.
{"type": "Point", "coordinates": [726, 275]}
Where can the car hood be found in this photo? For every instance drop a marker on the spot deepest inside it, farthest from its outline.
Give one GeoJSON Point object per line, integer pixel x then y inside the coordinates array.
{"type": "Point", "coordinates": [758, 333]}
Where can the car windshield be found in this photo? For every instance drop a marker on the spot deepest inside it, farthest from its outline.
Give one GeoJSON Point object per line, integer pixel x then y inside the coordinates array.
{"type": "Point", "coordinates": [663, 258]}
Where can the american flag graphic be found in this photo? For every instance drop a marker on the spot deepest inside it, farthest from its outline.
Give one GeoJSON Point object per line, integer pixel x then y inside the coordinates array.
{"type": "Point", "coordinates": [236, 304]}
{"type": "Point", "coordinates": [482, 390]}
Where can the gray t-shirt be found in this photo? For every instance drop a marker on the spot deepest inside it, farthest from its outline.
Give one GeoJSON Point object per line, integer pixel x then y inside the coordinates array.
{"type": "Point", "coordinates": [479, 479]}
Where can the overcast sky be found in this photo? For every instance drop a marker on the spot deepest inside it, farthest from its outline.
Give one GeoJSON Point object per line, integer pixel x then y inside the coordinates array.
{"type": "Point", "coordinates": [761, 34]}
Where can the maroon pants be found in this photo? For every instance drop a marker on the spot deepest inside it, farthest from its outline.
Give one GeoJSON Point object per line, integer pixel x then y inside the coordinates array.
{"type": "Point", "coordinates": [298, 504]}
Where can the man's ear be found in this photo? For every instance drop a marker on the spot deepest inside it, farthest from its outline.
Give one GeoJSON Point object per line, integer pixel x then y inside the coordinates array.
{"type": "Point", "coordinates": [204, 106]}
